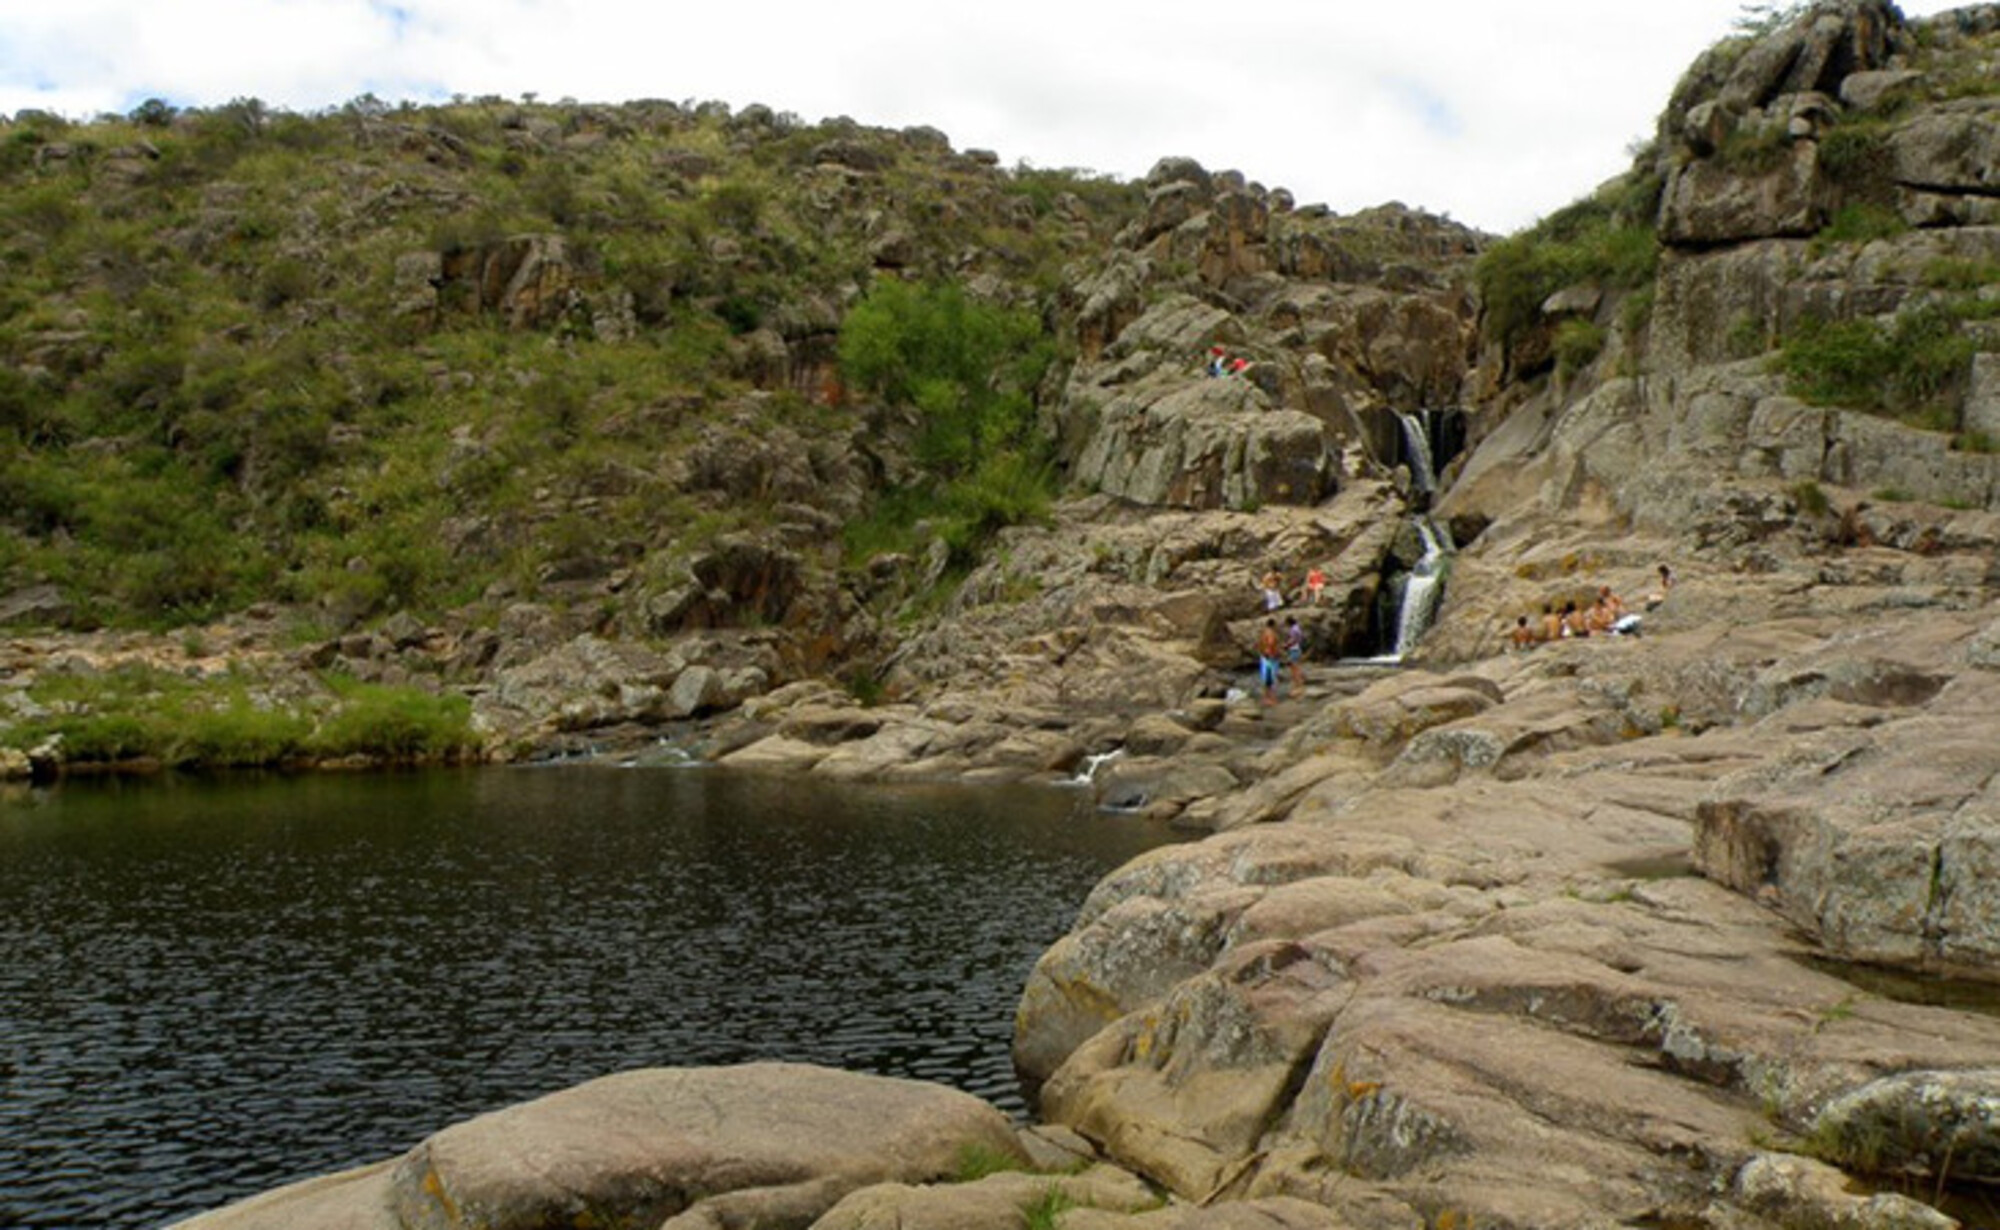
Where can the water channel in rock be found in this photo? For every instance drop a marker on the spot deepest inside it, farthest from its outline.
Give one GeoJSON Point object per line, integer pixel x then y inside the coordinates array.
{"type": "Point", "coordinates": [213, 987]}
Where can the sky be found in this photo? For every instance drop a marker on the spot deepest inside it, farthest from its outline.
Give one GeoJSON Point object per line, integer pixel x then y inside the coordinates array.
{"type": "Point", "coordinates": [1491, 113]}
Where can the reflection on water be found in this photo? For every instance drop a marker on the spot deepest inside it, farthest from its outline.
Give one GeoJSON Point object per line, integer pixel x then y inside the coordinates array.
{"type": "Point", "coordinates": [211, 988]}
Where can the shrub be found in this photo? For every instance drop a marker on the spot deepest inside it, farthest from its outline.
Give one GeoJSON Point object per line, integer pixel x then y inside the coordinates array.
{"type": "Point", "coordinates": [1856, 154]}
{"type": "Point", "coordinates": [969, 367]}
{"type": "Point", "coordinates": [1009, 489]}
{"type": "Point", "coordinates": [396, 724]}
{"type": "Point", "coordinates": [98, 738]}
{"type": "Point", "coordinates": [1745, 337]}
{"type": "Point", "coordinates": [1960, 273]}
{"type": "Point", "coordinates": [1753, 149]}
{"type": "Point", "coordinates": [1578, 342]}
{"type": "Point", "coordinates": [239, 735]}
{"type": "Point", "coordinates": [1860, 223]}
{"type": "Point", "coordinates": [1636, 312]}
{"type": "Point", "coordinates": [1046, 1211]}
{"type": "Point", "coordinates": [977, 1160]}
{"type": "Point", "coordinates": [1608, 241]}
{"type": "Point", "coordinates": [1904, 368]}
{"type": "Point", "coordinates": [1810, 498]}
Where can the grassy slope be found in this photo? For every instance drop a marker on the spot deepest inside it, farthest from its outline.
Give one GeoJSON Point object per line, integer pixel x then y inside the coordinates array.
{"type": "Point", "coordinates": [208, 398]}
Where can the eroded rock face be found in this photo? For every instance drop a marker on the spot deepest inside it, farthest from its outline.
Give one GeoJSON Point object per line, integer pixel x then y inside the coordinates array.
{"type": "Point", "coordinates": [765, 1144]}
{"type": "Point", "coordinates": [1378, 299]}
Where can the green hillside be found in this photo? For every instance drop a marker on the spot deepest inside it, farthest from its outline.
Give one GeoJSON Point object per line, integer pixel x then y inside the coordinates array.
{"type": "Point", "coordinates": [428, 358]}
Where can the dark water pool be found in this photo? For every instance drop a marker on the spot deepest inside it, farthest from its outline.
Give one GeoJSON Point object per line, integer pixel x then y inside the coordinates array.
{"type": "Point", "coordinates": [209, 988]}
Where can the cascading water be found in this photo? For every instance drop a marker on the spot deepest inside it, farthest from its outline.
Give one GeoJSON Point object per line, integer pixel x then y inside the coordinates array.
{"type": "Point", "coordinates": [1087, 773]}
{"type": "Point", "coordinates": [1423, 473]}
{"type": "Point", "coordinates": [1422, 589]}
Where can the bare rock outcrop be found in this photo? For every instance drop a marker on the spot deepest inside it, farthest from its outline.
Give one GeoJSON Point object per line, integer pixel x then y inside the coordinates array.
{"type": "Point", "coordinates": [766, 1144]}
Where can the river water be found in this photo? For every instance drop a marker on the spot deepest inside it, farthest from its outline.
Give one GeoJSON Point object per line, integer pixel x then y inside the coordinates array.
{"type": "Point", "coordinates": [212, 987]}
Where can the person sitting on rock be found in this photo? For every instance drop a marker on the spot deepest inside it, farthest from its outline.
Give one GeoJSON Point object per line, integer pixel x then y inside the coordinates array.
{"type": "Point", "coordinates": [1597, 616]}
{"type": "Point", "coordinates": [1522, 637]}
{"type": "Point", "coordinates": [1552, 624]}
{"type": "Point", "coordinates": [1666, 584]}
{"type": "Point", "coordinates": [1238, 365]}
{"type": "Point", "coordinates": [1611, 617]}
{"type": "Point", "coordinates": [1217, 359]}
{"type": "Point", "coordinates": [1616, 620]}
{"type": "Point", "coordinates": [1315, 584]}
{"type": "Point", "coordinates": [1573, 624]}
{"type": "Point", "coordinates": [1274, 590]}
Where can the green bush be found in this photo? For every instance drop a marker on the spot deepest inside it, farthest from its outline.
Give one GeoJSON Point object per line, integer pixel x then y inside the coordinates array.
{"type": "Point", "coordinates": [1610, 242]}
{"type": "Point", "coordinates": [1905, 368]}
{"type": "Point", "coordinates": [1636, 312]}
{"type": "Point", "coordinates": [396, 724]}
{"type": "Point", "coordinates": [1578, 343]}
{"type": "Point", "coordinates": [1810, 498]}
{"type": "Point", "coordinates": [1961, 273]}
{"type": "Point", "coordinates": [1008, 489]}
{"type": "Point", "coordinates": [1856, 153]}
{"type": "Point", "coordinates": [1860, 223]}
{"type": "Point", "coordinates": [969, 367]}
{"type": "Point", "coordinates": [239, 735]}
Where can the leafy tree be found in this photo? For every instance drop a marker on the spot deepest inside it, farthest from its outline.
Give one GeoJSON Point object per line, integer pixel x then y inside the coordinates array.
{"type": "Point", "coordinates": [969, 367]}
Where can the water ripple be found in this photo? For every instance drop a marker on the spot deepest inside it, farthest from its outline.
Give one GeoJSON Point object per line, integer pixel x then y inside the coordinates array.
{"type": "Point", "coordinates": [216, 987]}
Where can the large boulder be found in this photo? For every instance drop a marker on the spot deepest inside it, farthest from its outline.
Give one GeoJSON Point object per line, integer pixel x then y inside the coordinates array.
{"type": "Point", "coordinates": [1205, 444]}
{"type": "Point", "coordinates": [775, 1145]}
{"type": "Point", "coordinates": [997, 1202]}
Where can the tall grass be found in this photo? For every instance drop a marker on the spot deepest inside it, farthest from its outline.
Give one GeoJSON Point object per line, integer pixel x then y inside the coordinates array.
{"type": "Point", "coordinates": [1908, 367]}
{"type": "Point", "coordinates": [145, 714]}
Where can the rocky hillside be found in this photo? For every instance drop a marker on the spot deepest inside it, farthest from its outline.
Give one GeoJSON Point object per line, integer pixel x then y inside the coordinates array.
{"type": "Point", "coordinates": [611, 418]}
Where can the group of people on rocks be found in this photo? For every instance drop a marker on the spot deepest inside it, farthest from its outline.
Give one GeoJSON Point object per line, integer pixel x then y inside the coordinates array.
{"type": "Point", "coordinates": [1278, 650]}
{"type": "Point", "coordinates": [1605, 615]}
{"type": "Point", "coordinates": [1293, 649]}
{"type": "Point", "coordinates": [1273, 586]}
{"type": "Point", "coordinates": [1219, 363]}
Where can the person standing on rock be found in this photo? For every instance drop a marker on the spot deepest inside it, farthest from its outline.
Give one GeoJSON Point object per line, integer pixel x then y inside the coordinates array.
{"type": "Point", "coordinates": [1295, 652]}
{"type": "Point", "coordinates": [1267, 661]}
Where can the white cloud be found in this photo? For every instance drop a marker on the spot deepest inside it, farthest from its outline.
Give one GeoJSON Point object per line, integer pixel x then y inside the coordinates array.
{"type": "Point", "coordinates": [1492, 113]}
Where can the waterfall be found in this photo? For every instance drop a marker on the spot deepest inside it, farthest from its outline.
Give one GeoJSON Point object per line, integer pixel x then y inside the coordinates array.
{"type": "Point", "coordinates": [1424, 587]}
{"type": "Point", "coordinates": [1421, 589]}
{"type": "Point", "coordinates": [1423, 474]}
{"type": "Point", "coordinates": [1087, 774]}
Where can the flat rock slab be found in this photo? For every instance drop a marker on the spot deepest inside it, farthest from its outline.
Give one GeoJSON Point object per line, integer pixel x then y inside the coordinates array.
{"type": "Point", "coordinates": [774, 1145]}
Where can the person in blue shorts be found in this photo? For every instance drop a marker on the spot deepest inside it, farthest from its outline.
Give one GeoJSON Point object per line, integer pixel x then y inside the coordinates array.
{"type": "Point", "coordinates": [1295, 652]}
{"type": "Point", "coordinates": [1267, 660]}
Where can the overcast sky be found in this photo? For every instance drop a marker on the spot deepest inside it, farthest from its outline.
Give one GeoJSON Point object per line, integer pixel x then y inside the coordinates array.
{"type": "Point", "coordinates": [1494, 113]}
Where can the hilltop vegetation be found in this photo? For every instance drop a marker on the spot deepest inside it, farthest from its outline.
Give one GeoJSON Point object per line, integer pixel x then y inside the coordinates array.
{"type": "Point", "coordinates": [425, 358]}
